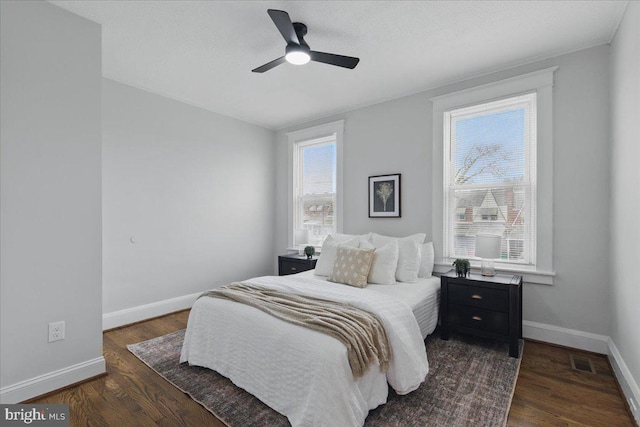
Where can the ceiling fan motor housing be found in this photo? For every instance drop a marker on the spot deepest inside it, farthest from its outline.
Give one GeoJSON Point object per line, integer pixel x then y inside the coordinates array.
{"type": "Point", "coordinates": [297, 48]}
{"type": "Point", "coordinates": [299, 53]}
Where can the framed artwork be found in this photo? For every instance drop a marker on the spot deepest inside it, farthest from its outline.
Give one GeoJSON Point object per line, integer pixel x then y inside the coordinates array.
{"type": "Point", "coordinates": [384, 196]}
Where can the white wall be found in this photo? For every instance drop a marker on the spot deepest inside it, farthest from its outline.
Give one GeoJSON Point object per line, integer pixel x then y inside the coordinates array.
{"type": "Point", "coordinates": [51, 204]}
{"type": "Point", "coordinates": [396, 136]}
{"type": "Point", "coordinates": [625, 197]}
{"type": "Point", "coordinates": [194, 189]}
{"type": "Point", "coordinates": [386, 138]}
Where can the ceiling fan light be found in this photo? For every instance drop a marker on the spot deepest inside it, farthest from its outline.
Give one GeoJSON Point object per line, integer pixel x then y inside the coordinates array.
{"type": "Point", "coordinates": [297, 57]}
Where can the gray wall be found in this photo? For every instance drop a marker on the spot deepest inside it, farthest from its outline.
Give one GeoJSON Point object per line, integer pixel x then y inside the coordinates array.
{"type": "Point", "coordinates": [396, 136]}
{"type": "Point", "coordinates": [625, 192]}
{"type": "Point", "coordinates": [50, 178]}
{"type": "Point", "coordinates": [193, 189]}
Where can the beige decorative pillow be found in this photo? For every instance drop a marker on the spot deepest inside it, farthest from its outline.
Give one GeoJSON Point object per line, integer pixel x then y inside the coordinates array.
{"type": "Point", "coordinates": [351, 266]}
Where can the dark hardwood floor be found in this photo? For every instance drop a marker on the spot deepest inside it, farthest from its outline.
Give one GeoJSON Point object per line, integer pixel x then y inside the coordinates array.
{"type": "Point", "coordinates": [548, 393]}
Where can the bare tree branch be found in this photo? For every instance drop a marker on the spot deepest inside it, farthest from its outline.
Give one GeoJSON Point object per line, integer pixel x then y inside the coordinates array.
{"type": "Point", "coordinates": [486, 159]}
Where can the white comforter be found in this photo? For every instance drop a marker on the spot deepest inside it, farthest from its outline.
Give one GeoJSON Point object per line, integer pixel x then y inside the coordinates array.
{"type": "Point", "coordinates": [301, 373]}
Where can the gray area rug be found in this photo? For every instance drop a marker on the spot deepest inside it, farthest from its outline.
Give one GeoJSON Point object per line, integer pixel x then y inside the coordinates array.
{"type": "Point", "coordinates": [470, 383]}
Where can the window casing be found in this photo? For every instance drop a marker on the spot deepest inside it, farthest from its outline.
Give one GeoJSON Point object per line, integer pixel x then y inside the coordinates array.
{"type": "Point", "coordinates": [539, 82]}
{"type": "Point", "coordinates": [491, 171]}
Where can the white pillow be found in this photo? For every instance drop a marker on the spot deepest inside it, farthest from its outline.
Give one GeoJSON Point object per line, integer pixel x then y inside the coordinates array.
{"type": "Point", "coordinates": [385, 263]}
{"type": "Point", "coordinates": [346, 237]}
{"type": "Point", "coordinates": [408, 254]}
{"type": "Point", "coordinates": [379, 240]}
{"type": "Point", "coordinates": [426, 264]}
{"type": "Point", "coordinates": [408, 260]}
{"type": "Point", "coordinates": [328, 254]}
{"type": "Point", "coordinates": [342, 237]}
{"type": "Point", "coordinates": [365, 244]}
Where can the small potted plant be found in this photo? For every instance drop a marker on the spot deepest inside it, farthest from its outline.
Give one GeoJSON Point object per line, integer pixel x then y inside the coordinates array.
{"type": "Point", "coordinates": [463, 267]}
{"type": "Point", "coordinates": [309, 251]}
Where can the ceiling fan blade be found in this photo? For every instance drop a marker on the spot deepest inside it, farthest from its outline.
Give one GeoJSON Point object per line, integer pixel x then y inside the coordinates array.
{"type": "Point", "coordinates": [269, 65]}
{"type": "Point", "coordinates": [333, 59]}
{"type": "Point", "coordinates": [284, 25]}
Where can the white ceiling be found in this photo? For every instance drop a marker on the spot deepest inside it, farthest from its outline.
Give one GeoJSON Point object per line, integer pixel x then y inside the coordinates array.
{"type": "Point", "coordinates": [202, 52]}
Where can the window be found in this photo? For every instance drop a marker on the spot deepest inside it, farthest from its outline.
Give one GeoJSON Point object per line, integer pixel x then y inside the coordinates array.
{"type": "Point", "coordinates": [315, 190]}
{"type": "Point", "coordinates": [493, 172]}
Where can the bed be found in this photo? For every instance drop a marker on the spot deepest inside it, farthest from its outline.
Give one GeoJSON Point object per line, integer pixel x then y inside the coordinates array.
{"type": "Point", "coordinates": [422, 296]}
{"type": "Point", "coordinates": [304, 374]}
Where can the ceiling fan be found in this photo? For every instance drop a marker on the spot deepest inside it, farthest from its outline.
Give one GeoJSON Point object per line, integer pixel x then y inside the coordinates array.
{"type": "Point", "coordinates": [297, 51]}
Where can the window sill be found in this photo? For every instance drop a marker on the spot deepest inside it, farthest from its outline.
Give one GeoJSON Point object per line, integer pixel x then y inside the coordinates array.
{"type": "Point", "coordinates": [529, 275]}
{"type": "Point", "coordinates": [300, 249]}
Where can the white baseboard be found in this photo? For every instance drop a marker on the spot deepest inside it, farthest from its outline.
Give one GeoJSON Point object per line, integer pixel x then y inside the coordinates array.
{"type": "Point", "coordinates": [147, 311]}
{"type": "Point", "coordinates": [628, 385]}
{"type": "Point", "coordinates": [566, 337]}
{"type": "Point", "coordinates": [51, 381]}
{"type": "Point", "coordinates": [61, 378]}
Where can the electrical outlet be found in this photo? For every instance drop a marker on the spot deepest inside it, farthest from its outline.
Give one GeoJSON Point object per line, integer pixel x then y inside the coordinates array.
{"type": "Point", "coordinates": [56, 331]}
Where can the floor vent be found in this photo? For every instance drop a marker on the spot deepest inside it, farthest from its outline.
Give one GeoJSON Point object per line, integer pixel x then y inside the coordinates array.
{"type": "Point", "coordinates": [582, 363]}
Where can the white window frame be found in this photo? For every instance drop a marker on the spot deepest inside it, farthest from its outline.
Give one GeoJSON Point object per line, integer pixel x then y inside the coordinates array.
{"type": "Point", "coordinates": [528, 102]}
{"type": "Point", "coordinates": [295, 138]}
{"type": "Point", "coordinates": [540, 82]}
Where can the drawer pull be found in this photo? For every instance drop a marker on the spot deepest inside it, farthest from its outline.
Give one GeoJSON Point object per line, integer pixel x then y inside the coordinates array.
{"type": "Point", "coordinates": [477, 318]}
{"type": "Point", "coordinates": [293, 269]}
{"type": "Point", "coordinates": [476, 296]}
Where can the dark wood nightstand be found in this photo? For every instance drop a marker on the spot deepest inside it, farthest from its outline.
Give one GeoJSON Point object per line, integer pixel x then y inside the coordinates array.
{"type": "Point", "coordinates": [489, 307]}
{"type": "Point", "coordinates": [293, 263]}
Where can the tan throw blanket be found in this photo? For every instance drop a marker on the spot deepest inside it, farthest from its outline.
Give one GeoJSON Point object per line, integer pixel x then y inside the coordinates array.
{"type": "Point", "coordinates": [360, 331]}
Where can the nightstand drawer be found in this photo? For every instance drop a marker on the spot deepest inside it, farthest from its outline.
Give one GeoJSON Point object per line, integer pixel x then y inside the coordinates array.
{"type": "Point", "coordinates": [480, 297]}
{"type": "Point", "coordinates": [477, 318]}
{"type": "Point", "coordinates": [292, 267]}
{"type": "Point", "coordinates": [292, 264]}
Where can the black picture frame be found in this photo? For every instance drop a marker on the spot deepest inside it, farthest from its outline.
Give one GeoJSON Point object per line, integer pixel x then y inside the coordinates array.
{"type": "Point", "coordinates": [384, 196]}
